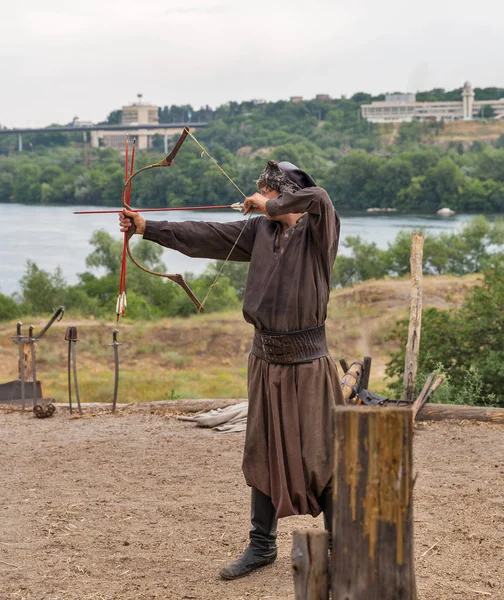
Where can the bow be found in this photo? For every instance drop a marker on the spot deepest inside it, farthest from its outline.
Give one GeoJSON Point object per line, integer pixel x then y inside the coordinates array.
{"type": "Point", "coordinates": [175, 277]}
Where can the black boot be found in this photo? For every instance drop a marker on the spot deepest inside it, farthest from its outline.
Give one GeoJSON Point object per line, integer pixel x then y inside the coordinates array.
{"type": "Point", "coordinates": [262, 549]}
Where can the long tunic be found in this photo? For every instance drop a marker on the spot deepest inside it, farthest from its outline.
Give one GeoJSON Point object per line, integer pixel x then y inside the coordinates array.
{"type": "Point", "coordinates": [288, 443]}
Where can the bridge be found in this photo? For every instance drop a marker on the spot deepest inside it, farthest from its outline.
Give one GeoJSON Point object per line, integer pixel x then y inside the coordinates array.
{"type": "Point", "coordinates": [111, 136]}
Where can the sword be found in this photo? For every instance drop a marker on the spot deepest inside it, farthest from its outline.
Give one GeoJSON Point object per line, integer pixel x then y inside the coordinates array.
{"type": "Point", "coordinates": [21, 364]}
{"type": "Point", "coordinates": [31, 340]}
{"type": "Point", "coordinates": [71, 338]}
{"type": "Point", "coordinates": [76, 385]}
{"type": "Point", "coordinates": [116, 345]}
{"type": "Point", "coordinates": [70, 335]}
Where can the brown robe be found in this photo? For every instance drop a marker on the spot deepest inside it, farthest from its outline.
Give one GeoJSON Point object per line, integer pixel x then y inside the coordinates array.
{"type": "Point", "coordinates": [288, 445]}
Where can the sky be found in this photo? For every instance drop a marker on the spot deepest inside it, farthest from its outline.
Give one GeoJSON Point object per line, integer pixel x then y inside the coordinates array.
{"type": "Point", "coordinates": [62, 59]}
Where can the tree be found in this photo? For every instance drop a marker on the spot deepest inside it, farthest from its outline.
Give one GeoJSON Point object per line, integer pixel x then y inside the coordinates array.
{"type": "Point", "coordinates": [9, 308]}
{"type": "Point", "coordinates": [487, 112]}
{"type": "Point", "coordinates": [465, 342]}
{"type": "Point", "coordinates": [392, 176]}
{"type": "Point", "coordinates": [352, 182]}
{"type": "Point", "coordinates": [365, 262]}
{"type": "Point", "coordinates": [42, 291]}
{"type": "Point", "coordinates": [115, 117]}
{"type": "Point", "coordinates": [443, 185]}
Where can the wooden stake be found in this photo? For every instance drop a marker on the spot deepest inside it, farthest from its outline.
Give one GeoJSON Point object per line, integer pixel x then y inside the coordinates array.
{"type": "Point", "coordinates": [415, 323]}
{"type": "Point", "coordinates": [366, 373]}
{"type": "Point", "coordinates": [310, 564]}
{"type": "Point", "coordinates": [373, 504]}
{"type": "Point", "coordinates": [428, 389]}
{"type": "Point", "coordinates": [344, 364]}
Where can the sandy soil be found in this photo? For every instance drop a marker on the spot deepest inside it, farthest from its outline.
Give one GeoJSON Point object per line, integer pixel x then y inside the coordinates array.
{"type": "Point", "coordinates": [140, 506]}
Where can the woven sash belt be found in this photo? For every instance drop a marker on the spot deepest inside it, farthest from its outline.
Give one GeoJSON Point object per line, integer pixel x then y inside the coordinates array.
{"type": "Point", "coordinates": [292, 347]}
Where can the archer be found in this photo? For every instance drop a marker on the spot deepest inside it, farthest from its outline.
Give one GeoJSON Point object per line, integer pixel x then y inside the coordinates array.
{"type": "Point", "coordinates": [293, 383]}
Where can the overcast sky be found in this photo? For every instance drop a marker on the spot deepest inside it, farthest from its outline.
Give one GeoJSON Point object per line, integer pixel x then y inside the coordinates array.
{"type": "Point", "coordinates": [61, 58]}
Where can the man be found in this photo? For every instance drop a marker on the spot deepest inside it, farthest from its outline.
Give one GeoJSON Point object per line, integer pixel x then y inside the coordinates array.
{"type": "Point", "coordinates": [293, 383]}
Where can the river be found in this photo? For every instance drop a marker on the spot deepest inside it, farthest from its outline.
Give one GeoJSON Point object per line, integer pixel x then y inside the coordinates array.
{"type": "Point", "coordinates": [52, 236]}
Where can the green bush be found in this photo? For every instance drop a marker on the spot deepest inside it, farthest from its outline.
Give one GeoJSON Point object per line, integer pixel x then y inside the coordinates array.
{"type": "Point", "coordinates": [466, 343]}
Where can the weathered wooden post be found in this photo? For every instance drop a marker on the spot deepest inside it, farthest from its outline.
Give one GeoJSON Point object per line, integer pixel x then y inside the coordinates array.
{"type": "Point", "coordinates": [310, 564]}
{"type": "Point", "coordinates": [415, 322]}
{"type": "Point", "coordinates": [372, 555]}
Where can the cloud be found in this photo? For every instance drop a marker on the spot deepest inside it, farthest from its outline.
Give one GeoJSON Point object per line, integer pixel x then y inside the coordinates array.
{"type": "Point", "coordinates": [60, 59]}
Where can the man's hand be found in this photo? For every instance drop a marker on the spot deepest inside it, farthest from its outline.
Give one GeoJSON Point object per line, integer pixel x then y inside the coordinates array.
{"type": "Point", "coordinates": [256, 204]}
{"type": "Point", "coordinates": [125, 223]}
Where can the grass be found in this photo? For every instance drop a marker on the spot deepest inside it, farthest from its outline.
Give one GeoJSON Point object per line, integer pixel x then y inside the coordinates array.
{"type": "Point", "coordinates": [205, 356]}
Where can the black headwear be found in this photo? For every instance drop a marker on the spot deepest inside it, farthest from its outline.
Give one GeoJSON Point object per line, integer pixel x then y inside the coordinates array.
{"type": "Point", "coordinates": [298, 176]}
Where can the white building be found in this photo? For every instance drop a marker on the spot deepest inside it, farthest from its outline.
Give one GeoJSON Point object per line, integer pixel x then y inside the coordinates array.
{"type": "Point", "coordinates": [136, 114]}
{"type": "Point", "coordinates": [404, 107]}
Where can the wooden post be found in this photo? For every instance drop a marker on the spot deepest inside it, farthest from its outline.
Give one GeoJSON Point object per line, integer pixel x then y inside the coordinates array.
{"type": "Point", "coordinates": [310, 564]}
{"type": "Point", "coordinates": [415, 322]}
{"type": "Point", "coordinates": [366, 373]}
{"type": "Point", "coordinates": [372, 505]}
{"type": "Point", "coordinates": [27, 359]}
{"type": "Point", "coordinates": [344, 364]}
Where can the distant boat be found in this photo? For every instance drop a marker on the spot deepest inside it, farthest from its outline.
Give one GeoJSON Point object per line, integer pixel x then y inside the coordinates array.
{"type": "Point", "coordinates": [381, 209]}
{"type": "Point", "coordinates": [445, 212]}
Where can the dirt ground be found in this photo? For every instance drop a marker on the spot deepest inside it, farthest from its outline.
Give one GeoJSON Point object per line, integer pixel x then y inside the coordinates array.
{"type": "Point", "coordinates": [138, 506]}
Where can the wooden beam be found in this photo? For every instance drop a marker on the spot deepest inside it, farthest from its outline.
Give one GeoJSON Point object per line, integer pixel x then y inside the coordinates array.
{"type": "Point", "coordinates": [415, 322]}
{"type": "Point", "coordinates": [372, 556]}
{"type": "Point", "coordinates": [460, 412]}
{"type": "Point", "coordinates": [310, 564]}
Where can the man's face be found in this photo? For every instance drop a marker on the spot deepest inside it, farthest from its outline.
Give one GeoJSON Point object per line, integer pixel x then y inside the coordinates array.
{"type": "Point", "coordinates": [268, 193]}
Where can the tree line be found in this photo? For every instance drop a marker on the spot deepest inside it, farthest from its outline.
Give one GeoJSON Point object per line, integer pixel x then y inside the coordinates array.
{"type": "Point", "coordinates": [353, 159]}
{"type": "Point", "coordinates": [421, 180]}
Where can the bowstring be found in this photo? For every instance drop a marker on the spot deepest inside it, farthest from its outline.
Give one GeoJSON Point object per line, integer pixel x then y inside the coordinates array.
{"type": "Point", "coordinates": [205, 151]}
{"type": "Point", "coordinates": [226, 260]}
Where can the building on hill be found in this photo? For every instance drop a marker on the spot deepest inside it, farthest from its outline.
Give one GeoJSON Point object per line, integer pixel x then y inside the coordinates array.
{"type": "Point", "coordinates": [136, 114]}
{"type": "Point", "coordinates": [404, 107]}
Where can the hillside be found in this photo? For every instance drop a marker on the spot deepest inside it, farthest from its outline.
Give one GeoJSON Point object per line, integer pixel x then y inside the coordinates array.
{"type": "Point", "coordinates": [484, 131]}
{"type": "Point", "coordinates": [205, 356]}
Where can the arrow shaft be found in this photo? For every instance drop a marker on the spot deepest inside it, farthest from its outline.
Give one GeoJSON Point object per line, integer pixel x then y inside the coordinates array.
{"type": "Point", "coordinates": [101, 212]}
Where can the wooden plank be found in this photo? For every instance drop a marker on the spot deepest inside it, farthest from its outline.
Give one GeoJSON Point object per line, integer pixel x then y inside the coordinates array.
{"type": "Point", "coordinates": [310, 564]}
{"type": "Point", "coordinates": [415, 323]}
{"type": "Point", "coordinates": [372, 555]}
